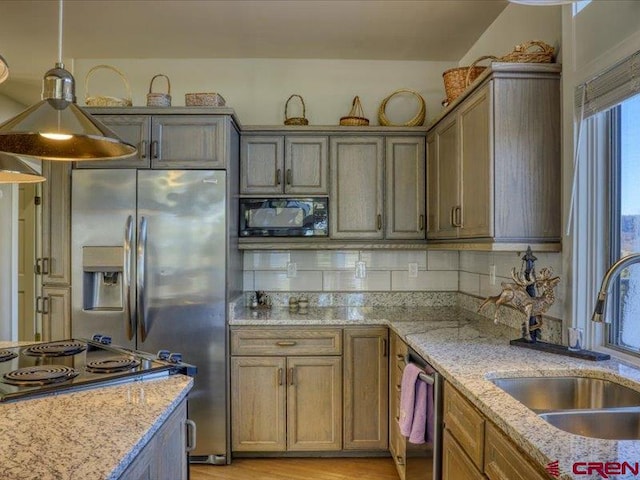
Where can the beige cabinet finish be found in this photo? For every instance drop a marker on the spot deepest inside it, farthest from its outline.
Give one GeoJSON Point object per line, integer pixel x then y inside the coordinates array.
{"type": "Point", "coordinates": [405, 188]}
{"type": "Point", "coordinates": [397, 443]}
{"type": "Point", "coordinates": [357, 182]}
{"type": "Point", "coordinates": [433, 200]}
{"type": "Point", "coordinates": [497, 156]}
{"type": "Point", "coordinates": [504, 461]}
{"type": "Point", "coordinates": [291, 164]}
{"type": "Point", "coordinates": [366, 387]}
{"type": "Point", "coordinates": [164, 457]}
{"type": "Point", "coordinates": [465, 423]}
{"type": "Point", "coordinates": [258, 399]}
{"type": "Point", "coordinates": [286, 341]}
{"type": "Point", "coordinates": [314, 403]}
{"type": "Point", "coordinates": [455, 463]}
{"type": "Point", "coordinates": [55, 306]}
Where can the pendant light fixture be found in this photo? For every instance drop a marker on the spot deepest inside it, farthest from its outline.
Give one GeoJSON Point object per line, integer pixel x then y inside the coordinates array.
{"type": "Point", "coordinates": [4, 69]}
{"type": "Point", "coordinates": [56, 128]}
{"type": "Point", "coordinates": [14, 170]}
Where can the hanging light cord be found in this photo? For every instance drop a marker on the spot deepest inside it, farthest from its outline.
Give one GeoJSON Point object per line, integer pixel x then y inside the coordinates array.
{"type": "Point", "coordinates": [60, 31]}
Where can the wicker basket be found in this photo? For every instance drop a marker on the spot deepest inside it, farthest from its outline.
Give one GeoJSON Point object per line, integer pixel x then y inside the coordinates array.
{"type": "Point", "coordinates": [295, 120]}
{"type": "Point", "coordinates": [203, 99]}
{"type": "Point", "coordinates": [103, 100]}
{"type": "Point", "coordinates": [522, 54]}
{"type": "Point", "coordinates": [156, 99]}
{"type": "Point", "coordinates": [414, 122]}
{"type": "Point", "coordinates": [356, 115]}
{"type": "Point", "coordinates": [456, 80]}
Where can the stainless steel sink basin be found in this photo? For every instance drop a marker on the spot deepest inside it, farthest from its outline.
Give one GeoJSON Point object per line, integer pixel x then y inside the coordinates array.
{"type": "Point", "coordinates": [605, 424]}
{"type": "Point", "coordinates": [545, 394]}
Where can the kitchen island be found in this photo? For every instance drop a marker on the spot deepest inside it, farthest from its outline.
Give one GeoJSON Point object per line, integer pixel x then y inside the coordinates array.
{"type": "Point", "coordinates": [93, 434]}
{"type": "Point", "coordinates": [468, 350]}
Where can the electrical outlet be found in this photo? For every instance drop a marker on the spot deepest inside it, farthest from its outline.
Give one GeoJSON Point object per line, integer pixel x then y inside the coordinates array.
{"type": "Point", "coordinates": [292, 270]}
{"type": "Point", "coordinates": [361, 269]}
{"type": "Point", "coordinates": [492, 274]}
{"type": "Point", "coordinates": [413, 270]}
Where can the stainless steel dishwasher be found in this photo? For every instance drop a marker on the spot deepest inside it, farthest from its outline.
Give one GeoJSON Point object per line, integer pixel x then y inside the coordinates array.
{"type": "Point", "coordinates": [424, 462]}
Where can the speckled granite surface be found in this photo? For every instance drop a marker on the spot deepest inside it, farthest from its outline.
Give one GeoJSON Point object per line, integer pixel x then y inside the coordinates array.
{"type": "Point", "coordinates": [91, 434]}
{"type": "Point", "coordinates": [468, 350]}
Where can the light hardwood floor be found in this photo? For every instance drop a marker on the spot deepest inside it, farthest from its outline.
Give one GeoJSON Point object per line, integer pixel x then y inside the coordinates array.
{"type": "Point", "coordinates": [299, 469]}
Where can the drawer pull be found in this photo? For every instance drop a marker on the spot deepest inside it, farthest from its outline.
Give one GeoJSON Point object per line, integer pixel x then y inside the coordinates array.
{"type": "Point", "coordinates": [278, 175]}
{"type": "Point", "coordinates": [290, 374]}
{"type": "Point", "coordinates": [421, 223]}
{"type": "Point", "coordinates": [286, 343]}
{"type": "Point", "coordinates": [280, 374]}
{"type": "Point", "coordinates": [379, 222]}
{"type": "Point", "coordinates": [399, 460]}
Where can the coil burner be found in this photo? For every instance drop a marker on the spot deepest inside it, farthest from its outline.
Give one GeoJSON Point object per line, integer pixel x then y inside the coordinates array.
{"type": "Point", "coordinates": [112, 365]}
{"type": "Point", "coordinates": [40, 375]}
{"type": "Point", "coordinates": [55, 349]}
{"type": "Point", "coordinates": [6, 355]}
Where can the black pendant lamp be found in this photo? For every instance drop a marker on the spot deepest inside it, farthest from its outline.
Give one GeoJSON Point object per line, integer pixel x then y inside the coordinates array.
{"type": "Point", "coordinates": [14, 170]}
{"type": "Point", "coordinates": [58, 129]}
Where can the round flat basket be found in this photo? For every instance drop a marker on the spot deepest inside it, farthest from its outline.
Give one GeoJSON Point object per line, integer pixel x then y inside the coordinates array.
{"type": "Point", "coordinates": [105, 100]}
{"type": "Point", "coordinates": [416, 121]}
{"type": "Point", "coordinates": [295, 120]}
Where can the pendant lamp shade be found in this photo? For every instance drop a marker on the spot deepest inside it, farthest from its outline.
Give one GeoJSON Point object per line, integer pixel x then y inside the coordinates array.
{"type": "Point", "coordinates": [14, 170]}
{"type": "Point", "coordinates": [56, 128]}
{"type": "Point", "coordinates": [4, 69]}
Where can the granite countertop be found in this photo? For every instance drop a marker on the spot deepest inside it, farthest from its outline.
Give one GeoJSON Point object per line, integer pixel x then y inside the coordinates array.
{"type": "Point", "coordinates": [468, 350]}
{"type": "Point", "coordinates": [92, 434]}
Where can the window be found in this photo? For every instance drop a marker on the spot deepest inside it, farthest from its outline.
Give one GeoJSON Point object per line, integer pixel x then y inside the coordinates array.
{"type": "Point", "coordinates": [624, 214]}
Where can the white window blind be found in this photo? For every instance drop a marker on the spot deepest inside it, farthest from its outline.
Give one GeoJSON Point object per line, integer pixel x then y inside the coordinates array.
{"type": "Point", "coordinates": [610, 87]}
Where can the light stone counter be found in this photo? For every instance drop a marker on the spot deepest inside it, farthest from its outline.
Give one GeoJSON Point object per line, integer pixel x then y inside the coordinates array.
{"type": "Point", "coordinates": [91, 434]}
{"type": "Point", "coordinates": [467, 350]}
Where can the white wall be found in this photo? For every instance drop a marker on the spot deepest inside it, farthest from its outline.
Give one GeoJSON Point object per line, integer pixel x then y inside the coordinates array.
{"type": "Point", "coordinates": [257, 89]}
{"type": "Point", "coordinates": [515, 25]}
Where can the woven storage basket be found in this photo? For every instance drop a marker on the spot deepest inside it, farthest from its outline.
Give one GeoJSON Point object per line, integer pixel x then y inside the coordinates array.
{"type": "Point", "coordinates": [356, 115]}
{"type": "Point", "coordinates": [295, 120]}
{"type": "Point", "coordinates": [414, 122]}
{"type": "Point", "coordinates": [204, 100]}
{"type": "Point", "coordinates": [456, 80]}
{"type": "Point", "coordinates": [155, 99]}
{"type": "Point", "coordinates": [522, 53]}
{"type": "Point", "coordinates": [103, 100]}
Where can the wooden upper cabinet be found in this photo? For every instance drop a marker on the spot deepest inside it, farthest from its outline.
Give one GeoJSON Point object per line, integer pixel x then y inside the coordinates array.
{"type": "Point", "coordinates": [447, 181]}
{"type": "Point", "coordinates": [357, 182]}
{"type": "Point", "coordinates": [433, 218]}
{"type": "Point", "coordinates": [405, 188]}
{"type": "Point", "coordinates": [55, 306]}
{"type": "Point", "coordinates": [291, 164]}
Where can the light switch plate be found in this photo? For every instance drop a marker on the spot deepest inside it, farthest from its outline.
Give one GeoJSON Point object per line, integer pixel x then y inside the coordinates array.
{"type": "Point", "coordinates": [413, 270]}
{"type": "Point", "coordinates": [361, 269]}
{"type": "Point", "coordinates": [292, 270]}
{"type": "Point", "coordinates": [492, 274]}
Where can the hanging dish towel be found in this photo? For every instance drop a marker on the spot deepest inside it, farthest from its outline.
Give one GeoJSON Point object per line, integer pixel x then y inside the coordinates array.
{"type": "Point", "coordinates": [407, 398]}
{"type": "Point", "coordinates": [416, 406]}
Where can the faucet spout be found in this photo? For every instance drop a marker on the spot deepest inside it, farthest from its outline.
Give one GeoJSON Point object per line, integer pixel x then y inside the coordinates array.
{"type": "Point", "coordinates": [613, 272]}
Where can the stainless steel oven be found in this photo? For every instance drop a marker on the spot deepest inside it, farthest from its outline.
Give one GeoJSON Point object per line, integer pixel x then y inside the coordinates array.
{"type": "Point", "coordinates": [284, 217]}
{"type": "Point", "coordinates": [424, 462]}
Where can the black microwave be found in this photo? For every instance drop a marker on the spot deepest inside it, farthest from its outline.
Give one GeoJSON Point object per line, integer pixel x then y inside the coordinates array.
{"type": "Point", "coordinates": [284, 217]}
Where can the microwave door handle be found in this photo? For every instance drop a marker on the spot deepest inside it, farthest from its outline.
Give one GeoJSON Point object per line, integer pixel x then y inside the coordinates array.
{"type": "Point", "coordinates": [141, 271]}
{"type": "Point", "coordinates": [129, 310]}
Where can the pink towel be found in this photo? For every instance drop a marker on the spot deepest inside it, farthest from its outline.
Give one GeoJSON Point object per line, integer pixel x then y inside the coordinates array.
{"type": "Point", "coordinates": [416, 406]}
{"type": "Point", "coordinates": [407, 397]}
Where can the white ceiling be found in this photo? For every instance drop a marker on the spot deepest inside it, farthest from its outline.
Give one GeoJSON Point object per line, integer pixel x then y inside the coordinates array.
{"type": "Point", "coordinates": [439, 30]}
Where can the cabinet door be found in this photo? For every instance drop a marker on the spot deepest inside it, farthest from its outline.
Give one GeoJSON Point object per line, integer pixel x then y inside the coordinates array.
{"type": "Point", "coordinates": [170, 443]}
{"type": "Point", "coordinates": [258, 408]}
{"type": "Point", "coordinates": [433, 208]}
{"type": "Point", "coordinates": [55, 264]}
{"type": "Point", "coordinates": [261, 164]}
{"type": "Point", "coordinates": [133, 129]}
{"type": "Point", "coordinates": [55, 306]}
{"type": "Point", "coordinates": [405, 186]}
{"type": "Point", "coordinates": [448, 178]}
{"type": "Point", "coordinates": [314, 403]}
{"type": "Point", "coordinates": [306, 165]}
{"type": "Point", "coordinates": [357, 167]}
{"type": "Point", "coordinates": [188, 141]}
{"type": "Point", "coordinates": [455, 464]}
{"type": "Point", "coordinates": [366, 384]}
{"type": "Point", "coordinates": [504, 461]}
{"type": "Point", "coordinates": [476, 157]}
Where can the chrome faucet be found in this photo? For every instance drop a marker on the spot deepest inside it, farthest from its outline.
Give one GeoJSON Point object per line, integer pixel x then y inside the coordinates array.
{"type": "Point", "coordinates": [616, 268]}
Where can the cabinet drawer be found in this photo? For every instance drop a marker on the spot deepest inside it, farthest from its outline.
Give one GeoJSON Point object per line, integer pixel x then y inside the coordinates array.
{"type": "Point", "coordinates": [455, 463]}
{"type": "Point", "coordinates": [465, 423]}
{"type": "Point", "coordinates": [503, 460]}
{"type": "Point", "coordinates": [286, 341]}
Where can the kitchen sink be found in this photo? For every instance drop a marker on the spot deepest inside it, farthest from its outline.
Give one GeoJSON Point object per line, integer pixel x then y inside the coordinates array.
{"type": "Point", "coordinates": [606, 424]}
{"type": "Point", "coordinates": [548, 394]}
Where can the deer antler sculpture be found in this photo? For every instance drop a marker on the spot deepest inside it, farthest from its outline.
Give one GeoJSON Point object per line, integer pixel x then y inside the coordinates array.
{"type": "Point", "coordinates": [515, 295]}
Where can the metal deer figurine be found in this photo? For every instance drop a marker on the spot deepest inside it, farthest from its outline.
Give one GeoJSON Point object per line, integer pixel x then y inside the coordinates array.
{"type": "Point", "coordinates": [515, 295]}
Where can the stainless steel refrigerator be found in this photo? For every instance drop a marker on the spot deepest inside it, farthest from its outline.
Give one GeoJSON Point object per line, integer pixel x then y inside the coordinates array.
{"type": "Point", "coordinates": [151, 262]}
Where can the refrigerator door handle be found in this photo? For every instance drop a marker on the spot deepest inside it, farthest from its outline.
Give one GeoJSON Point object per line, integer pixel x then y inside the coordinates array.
{"type": "Point", "coordinates": [142, 247]}
{"type": "Point", "coordinates": [129, 310]}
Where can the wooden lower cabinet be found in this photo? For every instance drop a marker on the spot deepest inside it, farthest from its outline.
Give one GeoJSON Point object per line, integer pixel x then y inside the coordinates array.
{"type": "Point", "coordinates": [165, 456]}
{"type": "Point", "coordinates": [504, 461]}
{"type": "Point", "coordinates": [397, 443]}
{"type": "Point", "coordinates": [366, 384]}
{"type": "Point", "coordinates": [55, 306]}
{"type": "Point", "coordinates": [286, 404]}
{"type": "Point", "coordinates": [455, 463]}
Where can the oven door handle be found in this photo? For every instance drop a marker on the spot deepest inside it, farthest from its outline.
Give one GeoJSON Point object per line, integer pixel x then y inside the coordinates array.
{"type": "Point", "coordinates": [129, 310]}
{"type": "Point", "coordinates": [141, 274]}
